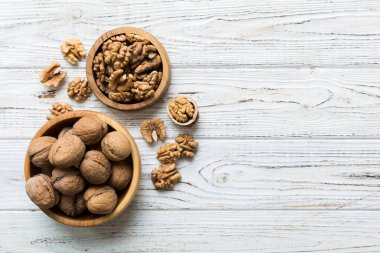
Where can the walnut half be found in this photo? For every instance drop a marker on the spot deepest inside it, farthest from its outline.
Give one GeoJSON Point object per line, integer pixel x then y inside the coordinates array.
{"type": "Point", "coordinates": [181, 109]}
{"type": "Point", "coordinates": [188, 145]}
{"type": "Point", "coordinates": [153, 129]}
{"type": "Point", "coordinates": [73, 50]}
{"type": "Point", "coordinates": [78, 89]}
{"type": "Point", "coordinates": [168, 153]}
{"type": "Point", "coordinates": [165, 176]}
{"type": "Point", "coordinates": [58, 108]}
{"type": "Point", "coordinates": [52, 76]}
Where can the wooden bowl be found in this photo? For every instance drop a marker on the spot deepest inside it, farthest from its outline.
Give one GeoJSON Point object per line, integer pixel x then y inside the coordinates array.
{"type": "Point", "coordinates": [195, 116]}
{"type": "Point", "coordinates": [165, 70]}
{"type": "Point", "coordinates": [52, 128]}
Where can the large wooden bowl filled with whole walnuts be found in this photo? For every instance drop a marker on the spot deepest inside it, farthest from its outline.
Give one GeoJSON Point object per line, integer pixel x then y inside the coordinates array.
{"type": "Point", "coordinates": [82, 168]}
{"type": "Point", "coordinates": [128, 69]}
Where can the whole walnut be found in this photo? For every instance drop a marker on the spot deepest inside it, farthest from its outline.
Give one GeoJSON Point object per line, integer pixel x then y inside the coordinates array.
{"type": "Point", "coordinates": [95, 167]}
{"type": "Point", "coordinates": [116, 146]}
{"type": "Point", "coordinates": [72, 205]}
{"type": "Point", "coordinates": [121, 175]}
{"type": "Point", "coordinates": [41, 191]}
{"type": "Point", "coordinates": [39, 149]}
{"type": "Point", "coordinates": [64, 131]}
{"type": "Point", "coordinates": [68, 181]}
{"type": "Point", "coordinates": [90, 129]}
{"type": "Point", "coordinates": [100, 199]}
{"type": "Point", "coordinates": [67, 151]}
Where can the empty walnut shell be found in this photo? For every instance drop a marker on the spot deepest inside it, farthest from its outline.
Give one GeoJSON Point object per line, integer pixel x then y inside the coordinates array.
{"type": "Point", "coordinates": [100, 199]}
{"type": "Point", "coordinates": [95, 167]}
{"type": "Point", "coordinates": [90, 129]}
{"type": "Point", "coordinates": [39, 149]}
{"type": "Point", "coordinates": [68, 181]}
{"type": "Point", "coordinates": [72, 205]}
{"type": "Point", "coordinates": [41, 191]}
{"type": "Point", "coordinates": [121, 175]}
{"type": "Point", "coordinates": [116, 146]}
{"type": "Point", "coordinates": [67, 151]}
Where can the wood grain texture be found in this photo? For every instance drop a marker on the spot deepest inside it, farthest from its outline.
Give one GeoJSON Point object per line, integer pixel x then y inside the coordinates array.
{"type": "Point", "coordinates": [198, 231]}
{"type": "Point", "coordinates": [202, 33]}
{"type": "Point", "coordinates": [242, 175]}
{"type": "Point", "coordinates": [278, 103]}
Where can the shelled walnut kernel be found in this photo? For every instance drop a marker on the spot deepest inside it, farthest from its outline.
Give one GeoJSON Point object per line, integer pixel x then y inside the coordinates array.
{"type": "Point", "coordinates": [73, 50]}
{"type": "Point", "coordinates": [78, 89]}
{"type": "Point", "coordinates": [127, 68]}
{"type": "Point", "coordinates": [165, 176]}
{"type": "Point", "coordinates": [52, 75]}
{"type": "Point", "coordinates": [168, 153]}
{"type": "Point", "coordinates": [181, 109]}
{"type": "Point", "coordinates": [58, 108]}
{"type": "Point", "coordinates": [153, 129]}
{"type": "Point", "coordinates": [188, 145]}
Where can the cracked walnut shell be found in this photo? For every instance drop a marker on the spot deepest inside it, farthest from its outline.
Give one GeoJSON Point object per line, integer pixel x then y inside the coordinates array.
{"type": "Point", "coordinates": [58, 108]}
{"type": "Point", "coordinates": [78, 89]}
{"type": "Point", "coordinates": [153, 130]}
{"type": "Point", "coordinates": [165, 176]}
{"type": "Point", "coordinates": [188, 145]}
{"type": "Point", "coordinates": [73, 50]}
{"type": "Point", "coordinates": [52, 76]}
{"type": "Point", "coordinates": [168, 153]}
{"type": "Point", "coordinates": [41, 191]}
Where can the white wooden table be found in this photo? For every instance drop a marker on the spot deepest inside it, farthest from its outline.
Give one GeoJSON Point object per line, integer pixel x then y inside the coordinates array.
{"type": "Point", "coordinates": [289, 95]}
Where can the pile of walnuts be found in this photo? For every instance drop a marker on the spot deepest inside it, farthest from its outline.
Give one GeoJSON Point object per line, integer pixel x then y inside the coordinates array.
{"type": "Point", "coordinates": [83, 168]}
{"type": "Point", "coordinates": [127, 68]}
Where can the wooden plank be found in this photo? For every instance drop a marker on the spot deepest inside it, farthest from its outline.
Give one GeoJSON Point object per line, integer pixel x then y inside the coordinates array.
{"type": "Point", "coordinates": [260, 103]}
{"type": "Point", "coordinates": [202, 33]}
{"type": "Point", "coordinates": [242, 175]}
{"type": "Point", "coordinates": [197, 231]}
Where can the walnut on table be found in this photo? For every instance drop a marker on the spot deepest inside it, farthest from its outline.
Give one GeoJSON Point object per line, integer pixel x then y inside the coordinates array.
{"type": "Point", "coordinates": [52, 75]}
{"type": "Point", "coordinates": [73, 50]}
{"type": "Point", "coordinates": [78, 89]}
{"type": "Point", "coordinates": [58, 108]}
{"type": "Point", "coordinates": [168, 153]}
{"type": "Point", "coordinates": [153, 129]}
{"type": "Point", "coordinates": [187, 144]}
{"type": "Point", "coordinates": [165, 176]}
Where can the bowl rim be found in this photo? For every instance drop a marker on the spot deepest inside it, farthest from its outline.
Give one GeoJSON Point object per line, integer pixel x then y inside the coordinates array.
{"type": "Point", "coordinates": [136, 163]}
{"type": "Point", "coordinates": [166, 71]}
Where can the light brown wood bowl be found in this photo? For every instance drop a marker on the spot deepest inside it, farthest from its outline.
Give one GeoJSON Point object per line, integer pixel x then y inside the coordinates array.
{"type": "Point", "coordinates": [195, 116]}
{"type": "Point", "coordinates": [52, 128]}
{"type": "Point", "coordinates": [162, 88]}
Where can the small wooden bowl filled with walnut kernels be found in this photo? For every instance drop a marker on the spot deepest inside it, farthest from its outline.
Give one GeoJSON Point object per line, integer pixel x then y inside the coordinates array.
{"type": "Point", "coordinates": [128, 69]}
{"type": "Point", "coordinates": [82, 168]}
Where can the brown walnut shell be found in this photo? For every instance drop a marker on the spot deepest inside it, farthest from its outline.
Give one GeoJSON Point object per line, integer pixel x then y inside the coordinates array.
{"type": "Point", "coordinates": [116, 146]}
{"type": "Point", "coordinates": [100, 199]}
{"type": "Point", "coordinates": [72, 205]}
{"type": "Point", "coordinates": [64, 131]}
{"type": "Point", "coordinates": [68, 181]}
{"type": "Point", "coordinates": [67, 151]}
{"type": "Point", "coordinates": [90, 129]}
{"type": "Point", "coordinates": [41, 191]}
{"type": "Point", "coordinates": [39, 149]}
{"type": "Point", "coordinates": [95, 167]}
{"type": "Point", "coordinates": [121, 175]}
